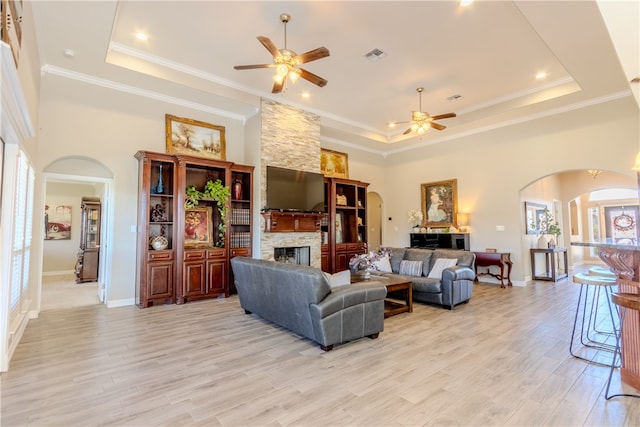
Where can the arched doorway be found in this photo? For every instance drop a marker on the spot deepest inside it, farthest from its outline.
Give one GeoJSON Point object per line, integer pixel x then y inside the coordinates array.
{"type": "Point", "coordinates": [67, 180]}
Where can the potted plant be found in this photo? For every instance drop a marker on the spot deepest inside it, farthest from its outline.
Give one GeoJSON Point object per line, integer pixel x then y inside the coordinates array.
{"type": "Point", "coordinates": [415, 219]}
{"type": "Point", "coordinates": [548, 225]}
{"type": "Point", "coordinates": [220, 194]}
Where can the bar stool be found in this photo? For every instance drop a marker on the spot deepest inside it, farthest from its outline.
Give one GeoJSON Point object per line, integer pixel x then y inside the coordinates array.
{"type": "Point", "coordinates": [624, 302]}
{"type": "Point", "coordinates": [592, 288]}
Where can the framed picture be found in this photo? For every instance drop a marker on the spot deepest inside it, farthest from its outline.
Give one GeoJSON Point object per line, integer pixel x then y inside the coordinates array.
{"type": "Point", "coordinates": [195, 138]}
{"type": "Point", "coordinates": [57, 222]}
{"type": "Point", "coordinates": [532, 214]}
{"type": "Point", "coordinates": [334, 163]}
{"type": "Point", "coordinates": [198, 227]}
{"type": "Point", "coordinates": [440, 203]}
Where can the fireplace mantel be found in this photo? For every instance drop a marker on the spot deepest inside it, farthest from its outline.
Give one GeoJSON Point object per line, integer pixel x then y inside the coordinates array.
{"type": "Point", "coordinates": [291, 222]}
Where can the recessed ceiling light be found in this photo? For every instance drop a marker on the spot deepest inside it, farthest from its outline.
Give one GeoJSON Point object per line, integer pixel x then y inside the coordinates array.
{"type": "Point", "coordinates": [465, 2]}
{"type": "Point", "coordinates": [541, 75]}
{"type": "Point", "coordinates": [306, 94]}
{"type": "Point", "coordinates": [69, 53]}
{"type": "Point", "coordinates": [391, 124]}
{"type": "Point", "coordinates": [142, 36]}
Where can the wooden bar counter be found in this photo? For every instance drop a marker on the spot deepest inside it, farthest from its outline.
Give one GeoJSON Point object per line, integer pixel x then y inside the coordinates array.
{"type": "Point", "coordinates": [624, 260]}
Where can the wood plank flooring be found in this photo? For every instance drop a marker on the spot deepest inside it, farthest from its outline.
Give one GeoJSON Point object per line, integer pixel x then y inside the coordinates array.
{"type": "Point", "coordinates": [500, 360]}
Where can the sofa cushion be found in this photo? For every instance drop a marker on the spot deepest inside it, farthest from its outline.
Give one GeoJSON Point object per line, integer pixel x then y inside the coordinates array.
{"type": "Point", "coordinates": [411, 268]}
{"type": "Point", "coordinates": [383, 264]}
{"type": "Point", "coordinates": [397, 255]}
{"type": "Point", "coordinates": [424, 255]}
{"type": "Point", "coordinates": [426, 285]}
{"type": "Point", "coordinates": [440, 265]}
{"type": "Point", "coordinates": [338, 279]}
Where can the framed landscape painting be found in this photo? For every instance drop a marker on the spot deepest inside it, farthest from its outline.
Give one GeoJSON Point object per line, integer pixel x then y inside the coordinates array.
{"type": "Point", "coordinates": [334, 163]}
{"type": "Point", "coordinates": [440, 203]}
{"type": "Point", "coordinates": [194, 138]}
{"type": "Point", "coordinates": [198, 229]}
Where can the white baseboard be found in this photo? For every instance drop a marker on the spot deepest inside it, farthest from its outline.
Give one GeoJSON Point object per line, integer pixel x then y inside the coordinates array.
{"type": "Point", "coordinates": [58, 273]}
{"type": "Point", "coordinates": [121, 302]}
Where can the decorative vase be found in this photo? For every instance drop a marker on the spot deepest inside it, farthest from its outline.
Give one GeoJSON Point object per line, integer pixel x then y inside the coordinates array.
{"type": "Point", "coordinates": [542, 242]}
{"type": "Point", "coordinates": [160, 186]}
{"type": "Point", "coordinates": [159, 243]}
{"type": "Point", "coordinates": [237, 190]}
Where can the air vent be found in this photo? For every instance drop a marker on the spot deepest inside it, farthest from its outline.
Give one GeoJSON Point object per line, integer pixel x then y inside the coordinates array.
{"type": "Point", "coordinates": [375, 55]}
{"type": "Point", "coordinates": [454, 97]}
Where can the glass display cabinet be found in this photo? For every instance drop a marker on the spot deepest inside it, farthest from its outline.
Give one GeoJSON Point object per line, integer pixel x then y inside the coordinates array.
{"type": "Point", "coordinates": [89, 252]}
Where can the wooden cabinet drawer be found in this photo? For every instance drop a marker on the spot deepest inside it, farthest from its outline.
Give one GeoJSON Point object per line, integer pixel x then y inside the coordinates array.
{"type": "Point", "coordinates": [160, 255]}
{"type": "Point", "coordinates": [217, 253]}
{"type": "Point", "coordinates": [194, 255]}
{"type": "Point", "coordinates": [239, 252]}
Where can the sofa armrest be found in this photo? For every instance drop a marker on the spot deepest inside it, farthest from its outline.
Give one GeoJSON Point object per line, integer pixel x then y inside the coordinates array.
{"type": "Point", "coordinates": [457, 272]}
{"type": "Point", "coordinates": [347, 296]}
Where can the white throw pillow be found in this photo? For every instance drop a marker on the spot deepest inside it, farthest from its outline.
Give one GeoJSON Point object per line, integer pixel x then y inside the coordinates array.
{"type": "Point", "coordinates": [340, 278]}
{"type": "Point", "coordinates": [410, 268]}
{"type": "Point", "coordinates": [440, 265]}
{"type": "Point", "coordinates": [383, 264]}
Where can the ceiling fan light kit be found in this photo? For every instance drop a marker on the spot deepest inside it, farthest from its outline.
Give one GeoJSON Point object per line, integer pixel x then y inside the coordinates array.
{"type": "Point", "coordinates": [421, 121]}
{"type": "Point", "coordinates": [286, 61]}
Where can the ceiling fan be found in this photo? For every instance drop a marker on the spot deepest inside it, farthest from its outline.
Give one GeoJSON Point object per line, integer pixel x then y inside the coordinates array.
{"type": "Point", "coordinates": [286, 61]}
{"type": "Point", "coordinates": [421, 121]}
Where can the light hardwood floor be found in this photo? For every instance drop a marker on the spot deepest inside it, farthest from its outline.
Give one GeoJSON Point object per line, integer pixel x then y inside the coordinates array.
{"type": "Point", "coordinates": [502, 359]}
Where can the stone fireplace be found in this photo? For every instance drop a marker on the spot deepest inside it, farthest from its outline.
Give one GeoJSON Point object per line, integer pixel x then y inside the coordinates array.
{"type": "Point", "coordinates": [293, 255]}
{"type": "Point", "coordinates": [289, 138]}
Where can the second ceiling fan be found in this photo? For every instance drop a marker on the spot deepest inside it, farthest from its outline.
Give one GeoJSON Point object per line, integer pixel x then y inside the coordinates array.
{"type": "Point", "coordinates": [422, 122]}
{"type": "Point", "coordinates": [286, 61]}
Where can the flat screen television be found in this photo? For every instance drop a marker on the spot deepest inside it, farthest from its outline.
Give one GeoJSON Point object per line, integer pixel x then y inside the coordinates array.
{"type": "Point", "coordinates": [294, 191]}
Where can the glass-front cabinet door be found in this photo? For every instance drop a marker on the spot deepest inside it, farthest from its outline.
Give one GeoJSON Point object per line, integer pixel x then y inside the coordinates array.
{"type": "Point", "coordinates": [89, 251]}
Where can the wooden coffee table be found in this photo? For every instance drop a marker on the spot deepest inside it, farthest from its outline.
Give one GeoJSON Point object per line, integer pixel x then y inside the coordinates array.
{"type": "Point", "coordinates": [393, 284]}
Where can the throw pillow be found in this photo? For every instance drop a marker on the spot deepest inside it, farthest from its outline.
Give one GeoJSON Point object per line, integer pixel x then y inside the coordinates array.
{"type": "Point", "coordinates": [410, 268]}
{"type": "Point", "coordinates": [440, 265]}
{"type": "Point", "coordinates": [383, 264]}
{"type": "Point", "coordinates": [340, 278]}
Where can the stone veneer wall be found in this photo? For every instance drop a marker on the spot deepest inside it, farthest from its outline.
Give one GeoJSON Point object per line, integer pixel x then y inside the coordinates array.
{"type": "Point", "coordinates": [290, 138]}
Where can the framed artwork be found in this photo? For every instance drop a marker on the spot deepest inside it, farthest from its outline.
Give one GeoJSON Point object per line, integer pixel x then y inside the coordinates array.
{"type": "Point", "coordinates": [11, 19]}
{"type": "Point", "coordinates": [334, 163]}
{"type": "Point", "coordinates": [533, 213]}
{"type": "Point", "coordinates": [440, 203]}
{"type": "Point", "coordinates": [195, 138]}
{"type": "Point", "coordinates": [57, 222]}
{"type": "Point", "coordinates": [198, 227]}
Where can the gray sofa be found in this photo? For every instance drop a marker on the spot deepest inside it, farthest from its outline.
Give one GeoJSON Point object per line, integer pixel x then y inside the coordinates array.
{"type": "Point", "coordinates": [454, 287]}
{"type": "Point", "coordinates": [300, 299]}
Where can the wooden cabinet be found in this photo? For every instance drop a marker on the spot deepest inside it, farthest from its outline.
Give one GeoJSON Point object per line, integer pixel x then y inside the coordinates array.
{"type": "Point", "coordinates": [200, 239]}
{"type": "Point", "coordinates": [440, 240]}
{"type": "Point", "coordinates": [156, 245]}
{"type": "Point", "coordinates": [346, 226]}
{"type": "Point", "coordinates": [89, 251]}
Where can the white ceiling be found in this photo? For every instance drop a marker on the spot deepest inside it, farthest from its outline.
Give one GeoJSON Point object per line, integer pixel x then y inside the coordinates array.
{"type": "Point", "coordinates": [489, 53]}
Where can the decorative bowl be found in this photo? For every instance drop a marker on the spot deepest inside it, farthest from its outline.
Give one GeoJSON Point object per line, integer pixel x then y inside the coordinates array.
{"type": "Point", "coordinates": [159, 242]}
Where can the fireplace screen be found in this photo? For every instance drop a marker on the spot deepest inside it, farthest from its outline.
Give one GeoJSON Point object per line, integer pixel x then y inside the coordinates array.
{"type": "Point", "coordinates": [293, 255]}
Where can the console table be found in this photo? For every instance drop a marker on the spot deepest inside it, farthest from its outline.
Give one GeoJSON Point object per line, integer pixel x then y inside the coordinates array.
{"type": "Point", "coordinates": [499, 259]}
{"type": "Point", "coordinates": [552, 264]}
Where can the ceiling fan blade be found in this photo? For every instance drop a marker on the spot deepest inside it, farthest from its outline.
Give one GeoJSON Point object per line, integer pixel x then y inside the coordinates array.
{"type": "Point", "coordinates": [443, 116]}
{"type": "Point", "coordinates": [277, 87]}
{"type": "Point", "coordinates": [316, 80]}
{"type": "Point", "coordinates": [408, 131]}
{"type": "Point", "coordinates": [266, 42]}
{"type": "Point", "coordinates": [437, 126]}
{"type": "Point", "coordinates": [313, 55]}
{"type": "Point", "coordinates": [250, 67]}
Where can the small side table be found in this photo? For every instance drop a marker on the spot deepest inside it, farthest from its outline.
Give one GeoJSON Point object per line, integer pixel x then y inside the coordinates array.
{"type": "Point", "coordinates": [552, 270]}
{"type": "Point", "coordinates": [499, 259]}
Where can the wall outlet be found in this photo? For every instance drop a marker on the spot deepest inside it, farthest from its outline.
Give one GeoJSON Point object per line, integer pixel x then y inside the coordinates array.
{"type": "Point", "coordinates": [134, 229]}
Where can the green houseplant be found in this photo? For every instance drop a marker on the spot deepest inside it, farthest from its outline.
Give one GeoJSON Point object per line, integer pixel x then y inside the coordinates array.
{"type": "Point", "coordinates": [220, 194]}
